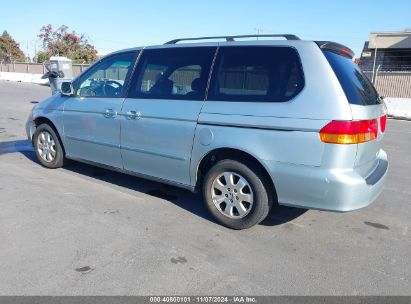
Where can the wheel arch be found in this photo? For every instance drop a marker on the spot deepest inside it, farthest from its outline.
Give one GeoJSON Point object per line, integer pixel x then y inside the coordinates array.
{"type": "Point", "coordinates": [217, 154]}
{"type": "Point", "coordinates": [44, 120]}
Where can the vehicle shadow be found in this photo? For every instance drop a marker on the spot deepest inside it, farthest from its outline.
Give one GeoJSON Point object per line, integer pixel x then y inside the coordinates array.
{"type": "Point", "coordinates": [22, 146]}
{"type": "Point", "coordinates": [192, 202]}
{"type": "Point", "coordinates": [184, 199]}
{"type": "Point", "coordinates": [281, 215]}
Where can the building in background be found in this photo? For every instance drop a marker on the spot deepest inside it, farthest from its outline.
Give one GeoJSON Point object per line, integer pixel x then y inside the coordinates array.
{"type": "Point", "coordinates": [387, 51]}
{"type": "Point", "coordinates": [386, 60]}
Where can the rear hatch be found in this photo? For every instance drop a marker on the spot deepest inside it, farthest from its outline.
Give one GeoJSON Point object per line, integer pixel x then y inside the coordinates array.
{"type": "Point", "coordinates": [368, 109]}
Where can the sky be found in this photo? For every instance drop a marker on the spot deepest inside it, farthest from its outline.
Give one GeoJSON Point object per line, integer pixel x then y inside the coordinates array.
{"type": "Point", "coordinates": [115, 25]}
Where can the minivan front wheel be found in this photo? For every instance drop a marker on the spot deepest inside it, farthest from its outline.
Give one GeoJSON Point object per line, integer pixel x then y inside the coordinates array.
{"type": "Point", "coordinates": [47, 147]}
{"type": "Point", "coordinates": [237, 194]}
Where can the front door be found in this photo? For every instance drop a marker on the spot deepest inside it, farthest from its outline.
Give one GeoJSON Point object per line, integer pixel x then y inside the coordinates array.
{"type": "Point", "coordinates": [160, 113]}
{"type": "Point", "coordinates": [91, 117]}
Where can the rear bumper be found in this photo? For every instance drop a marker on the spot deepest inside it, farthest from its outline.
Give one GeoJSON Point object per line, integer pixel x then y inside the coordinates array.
{"type": "Point", "coordinates": [327, 189]}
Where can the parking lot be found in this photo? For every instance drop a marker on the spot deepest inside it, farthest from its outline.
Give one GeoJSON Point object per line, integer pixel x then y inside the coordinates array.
{"type": "Point", "coordinates": [82, 230]}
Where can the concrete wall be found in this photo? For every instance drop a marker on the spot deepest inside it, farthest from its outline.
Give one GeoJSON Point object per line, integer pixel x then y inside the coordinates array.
{"type": "Point", "coordinates": [399, 107]}
{"type": "Point", "coordinates": [35, 68]}
{"type": "Point", "coordinates": [23, 77]}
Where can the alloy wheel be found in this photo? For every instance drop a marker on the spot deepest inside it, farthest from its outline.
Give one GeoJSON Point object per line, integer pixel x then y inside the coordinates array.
{"type": "Point", "coordinates": [232, 195]}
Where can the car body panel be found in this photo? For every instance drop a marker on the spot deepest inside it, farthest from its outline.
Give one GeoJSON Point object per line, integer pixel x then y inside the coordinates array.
{"type": "Point", "coordinates": [159, 142]}
{"type": "Point", "coordinates": [169, 138]}
{"type": "Point", "coordinates": [269, 143]}
{"type": "Point", "coordinates": [52, 109]}
{"type": "Point", "coordinates": [280, 145]}
{"type": "Point", "coordinates": [320, 188]}
{"type": "Point", "coordinates": [91, 135]}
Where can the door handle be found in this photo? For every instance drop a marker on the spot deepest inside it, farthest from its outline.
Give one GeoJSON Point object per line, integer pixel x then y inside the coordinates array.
{"type": "Point", "coordinates": [132, 114]}
{"type": "Point", "coordinates": [109, 113]}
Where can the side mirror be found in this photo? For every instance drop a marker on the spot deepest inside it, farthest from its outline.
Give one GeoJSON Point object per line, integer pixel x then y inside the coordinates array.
{"type": "Point", "coordinates": [67, 89]}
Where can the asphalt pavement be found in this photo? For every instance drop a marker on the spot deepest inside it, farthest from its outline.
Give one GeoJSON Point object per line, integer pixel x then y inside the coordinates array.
{"type": "Point", "coordinates": [82, 230]}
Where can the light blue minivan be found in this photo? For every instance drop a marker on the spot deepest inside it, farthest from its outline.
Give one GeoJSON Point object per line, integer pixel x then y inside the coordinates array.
{"type": "Point", "coordinates": [251, 123]}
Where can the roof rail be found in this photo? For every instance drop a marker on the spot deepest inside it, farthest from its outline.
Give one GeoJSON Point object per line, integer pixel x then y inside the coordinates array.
{"type": "Point", "coordinates": [231, 38]}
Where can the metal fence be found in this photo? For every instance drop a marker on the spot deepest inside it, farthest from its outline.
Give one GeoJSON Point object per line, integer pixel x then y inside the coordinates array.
{"type": "Point", "coordinates": [389, 82]}
{"type": "Point", "coordinates": [35, 68]}
{"type": "Point", "coordinates": [392, 83]}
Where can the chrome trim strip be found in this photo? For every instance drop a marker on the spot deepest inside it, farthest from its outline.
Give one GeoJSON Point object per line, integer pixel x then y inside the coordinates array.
{"type": "Point", "coordinates": [262, 122]}
{"type": "Point", "coordinates": [48, 109]}
{"type": "Point", "coordinates": [128, 148]}
{"type": "Point", "coordinates": [92, 141]}
{"type": "Point", "coordinates": [247, 127]}
{"type": "Point", "coordinates": [125, 115]}
{"type": "Point", "coordinates": [159, 117]}
{"type": "Point", "coordinates": [85, 112]}
{"type": "Point", "coordinates": [154, 153]}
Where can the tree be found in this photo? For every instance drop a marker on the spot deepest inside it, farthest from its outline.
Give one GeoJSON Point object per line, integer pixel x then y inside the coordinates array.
{"type": "Point", "coordinates": [10, 49]}
{"type": "Point", "coordinates": [62, 42]}
{"type": "Point", "coordinates": [41, 56]}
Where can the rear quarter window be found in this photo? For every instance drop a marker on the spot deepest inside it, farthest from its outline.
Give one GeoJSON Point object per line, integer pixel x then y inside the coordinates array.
{"type": "Point", "coordinates": [357, 88]}
{"type": "Point", "coordinates": [270, 74]}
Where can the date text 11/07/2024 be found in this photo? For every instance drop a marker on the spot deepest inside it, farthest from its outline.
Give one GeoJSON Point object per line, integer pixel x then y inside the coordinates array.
{"type": "Point", "coordinates": [202, 299]}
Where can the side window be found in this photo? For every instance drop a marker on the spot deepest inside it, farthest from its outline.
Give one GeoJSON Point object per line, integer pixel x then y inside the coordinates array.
{"type": "Point", "coordinates": [183, 79]}
{"type": "Point", "coordinates": [173, 73]}
{"type": "Point", "coordinates": [256, 74]}
{"type": "Point", "coordinates": [152, 73]}
{"type": "Point", "coordinates": [108, 77]}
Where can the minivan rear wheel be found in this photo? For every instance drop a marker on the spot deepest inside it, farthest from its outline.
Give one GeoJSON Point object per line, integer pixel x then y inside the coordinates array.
{"type": "Point", "coordinates": [237, 194]}
{"type": "Point", "coordinates": [48, 148]}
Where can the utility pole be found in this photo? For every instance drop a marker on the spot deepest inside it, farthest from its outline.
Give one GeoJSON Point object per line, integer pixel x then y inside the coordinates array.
{"type": "Point", "coordinates": [375, 59]}
{"type": "Point", "coordinates": [258, 31]}
{"type": "Point", "coordinates": [35, 51]}
{"type": "Point", "coordinates": [27, 48]}
{"type": "Point", "coordinates": [34, 45]}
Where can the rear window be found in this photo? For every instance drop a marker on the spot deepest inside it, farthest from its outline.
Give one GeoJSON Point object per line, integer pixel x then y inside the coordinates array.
{"type": "Point", "coordinates": [358, 89]}
{"type": "Point", "coordinates": [272, 74]}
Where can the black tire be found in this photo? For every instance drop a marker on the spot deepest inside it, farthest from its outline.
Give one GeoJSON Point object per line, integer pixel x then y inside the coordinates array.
{"type": "Point", "coordinates": [263, 193]}
{"type": "Point", "coordinates": [59, 158]}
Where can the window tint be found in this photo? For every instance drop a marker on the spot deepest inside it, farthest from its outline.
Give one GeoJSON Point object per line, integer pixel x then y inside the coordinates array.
{"type": "Point", "coordinates": [183, 79]}
{"type": "Point", "coordinates": [355, 84]}
{"type": "Point", "coordinates": [107, 78]}
{"type": "Point", "coordinates": [175, 73]}
{"type": "Point", "coordinates": [256, 74]}
{"type": "Point", "coordinates": [151, 74]}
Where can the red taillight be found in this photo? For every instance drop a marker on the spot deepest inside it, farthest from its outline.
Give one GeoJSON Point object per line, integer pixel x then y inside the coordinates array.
{"type": "Point", "coordinates": [383, 123]}
{"type": "Point", "coordinates": [349, 132]}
